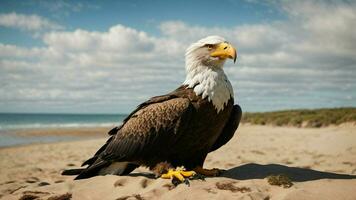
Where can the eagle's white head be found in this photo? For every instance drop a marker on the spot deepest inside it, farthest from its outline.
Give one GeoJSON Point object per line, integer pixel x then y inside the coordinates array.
{"type": "Point", "coordinates": [204, 61]}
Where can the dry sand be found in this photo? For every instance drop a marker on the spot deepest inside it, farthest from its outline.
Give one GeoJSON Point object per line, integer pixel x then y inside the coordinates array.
{"type": "Point", "coordinates": [321, 163]}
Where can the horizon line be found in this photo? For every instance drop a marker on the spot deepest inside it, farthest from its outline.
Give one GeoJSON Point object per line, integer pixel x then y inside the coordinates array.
{"type": "Point", "coordinates": [278, 110]}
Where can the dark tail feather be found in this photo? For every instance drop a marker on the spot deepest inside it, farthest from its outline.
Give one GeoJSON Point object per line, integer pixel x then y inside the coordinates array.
{"type": "Point", "coordinates": [92, 170]}
{"type": "Point", "coordinates": [90, 161]}
{"type": "Point", "coordinates": [130, 167]}
{"type": "Point", "coordinates": [72, 172]}
{"type": "Point", "coordinates": [95, 169]}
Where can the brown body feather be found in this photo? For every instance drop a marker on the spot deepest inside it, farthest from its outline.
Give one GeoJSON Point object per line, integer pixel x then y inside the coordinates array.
{"type": "Point", "coordinates": [179, 128]}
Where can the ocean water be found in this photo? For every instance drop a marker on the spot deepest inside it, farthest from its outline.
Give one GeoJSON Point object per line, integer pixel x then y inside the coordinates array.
{"type": "Point", "coordinates": [36, 121]}
{"type": "Point", "coordinates": [10, 122]}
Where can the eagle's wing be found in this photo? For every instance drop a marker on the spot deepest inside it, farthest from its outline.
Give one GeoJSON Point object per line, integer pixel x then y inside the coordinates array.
{"type": "Point", "coordinates": [115, 130]}
{"type": "Point", "coordinates": [154, 124]}
{"type": "Point", "coordinates": [229, 128]}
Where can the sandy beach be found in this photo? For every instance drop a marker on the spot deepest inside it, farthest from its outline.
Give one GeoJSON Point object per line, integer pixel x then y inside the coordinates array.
{"type": "Point", "coordinates": [320, 162]}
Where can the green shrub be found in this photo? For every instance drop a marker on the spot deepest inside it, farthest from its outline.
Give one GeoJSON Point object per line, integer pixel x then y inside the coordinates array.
{"type": "Point", "coordinates": [311, 118]}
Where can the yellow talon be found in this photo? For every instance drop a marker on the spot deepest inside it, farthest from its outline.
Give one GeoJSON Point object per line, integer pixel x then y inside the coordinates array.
{"type": "Point", "coordinates": [179, 174]}
{"type": "Point", "coordinates": [188, 173]}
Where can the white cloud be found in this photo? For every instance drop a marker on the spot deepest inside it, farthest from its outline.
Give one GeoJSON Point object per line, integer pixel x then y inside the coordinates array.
{"type": "Point", "coordinates": [27, 22]}
{"type": "Point", "coordinates": [300, 62]}
{"type": "Point", "coordinates": [327, 26]}
{"type": "Point", "coordinates": [83, 67]}
{"type": "Point", "coordinates": [118, 38]}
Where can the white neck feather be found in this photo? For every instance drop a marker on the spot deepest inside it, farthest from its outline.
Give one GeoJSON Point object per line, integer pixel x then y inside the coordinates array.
{"type": "Point", "coordinates": [211, 83]}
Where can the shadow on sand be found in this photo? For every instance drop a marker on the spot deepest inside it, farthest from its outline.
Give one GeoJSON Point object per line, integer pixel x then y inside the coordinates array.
{"type": "Point", "coordinates": [257, 171]}
{"type": "Point", "coordinates": [139, 174]}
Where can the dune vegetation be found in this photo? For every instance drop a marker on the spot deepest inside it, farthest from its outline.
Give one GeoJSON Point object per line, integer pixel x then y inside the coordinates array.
{"type": "Point", "coordinates": [303, 117]}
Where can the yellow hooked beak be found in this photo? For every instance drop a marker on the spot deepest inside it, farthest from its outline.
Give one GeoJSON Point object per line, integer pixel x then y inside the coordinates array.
{"type": "Point", "coordinates": [224, 50]}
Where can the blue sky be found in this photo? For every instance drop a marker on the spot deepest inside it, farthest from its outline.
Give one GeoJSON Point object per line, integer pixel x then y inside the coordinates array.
{"type": "Point", "coordinates": [141, 15]}
{"type": "Point", "coordinates": [108, 56]}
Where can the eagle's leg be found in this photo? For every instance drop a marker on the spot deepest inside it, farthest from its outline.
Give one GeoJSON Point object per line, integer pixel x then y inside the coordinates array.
{"type": "Point", "coordinates": [197, 166]}
{"type": "Point", "coordinates": [208, 172]}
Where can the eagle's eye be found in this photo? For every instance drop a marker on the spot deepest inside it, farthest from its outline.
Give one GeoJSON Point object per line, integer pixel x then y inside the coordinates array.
{"type": "Point", "coordinates": [209, 46]}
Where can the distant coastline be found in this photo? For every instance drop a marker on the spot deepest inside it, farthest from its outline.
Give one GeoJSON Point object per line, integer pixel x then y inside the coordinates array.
{"type": "Point", "coordinates": [314, 118]}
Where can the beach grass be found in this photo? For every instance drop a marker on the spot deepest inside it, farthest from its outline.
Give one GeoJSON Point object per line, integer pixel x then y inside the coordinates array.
{"type": "Point", "coordinates": [303, 117]}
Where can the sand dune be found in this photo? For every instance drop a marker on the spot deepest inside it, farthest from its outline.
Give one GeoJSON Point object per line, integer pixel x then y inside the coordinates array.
{"type": "Point", "coordinates": [320, 162]}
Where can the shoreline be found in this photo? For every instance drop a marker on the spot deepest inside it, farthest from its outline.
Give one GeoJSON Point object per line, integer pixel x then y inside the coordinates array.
{"type": "Point", "coordinates": [23, 137]}
{"type": "Point", "coordinates": [102, 130]}
{"type": "Point", "coordinates": [78, 131]}
{"type": "Point", "coordinates": [86, 133]}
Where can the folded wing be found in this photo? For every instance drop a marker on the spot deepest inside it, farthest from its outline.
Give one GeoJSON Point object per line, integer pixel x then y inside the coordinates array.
{"type": "Point", "coordinates": [154, 126]}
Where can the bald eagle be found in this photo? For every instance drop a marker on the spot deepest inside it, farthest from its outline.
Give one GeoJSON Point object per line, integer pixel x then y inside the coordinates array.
{"type": "Point", "coordinates": [179, 128]}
